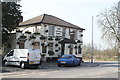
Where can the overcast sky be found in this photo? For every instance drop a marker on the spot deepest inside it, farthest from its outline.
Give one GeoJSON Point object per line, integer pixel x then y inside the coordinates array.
{"type": "Point", "coordinates": [78, 12]}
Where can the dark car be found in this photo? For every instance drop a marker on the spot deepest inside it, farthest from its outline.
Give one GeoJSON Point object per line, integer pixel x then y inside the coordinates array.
{"type": "Point", "coordinates": [68, 60]}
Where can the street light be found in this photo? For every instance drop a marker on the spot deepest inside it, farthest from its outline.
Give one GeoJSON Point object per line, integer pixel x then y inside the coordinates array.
{"type": "Point", "coordinates": [92, 41]}
{"type": "Point", "coordinates": [92, 49]}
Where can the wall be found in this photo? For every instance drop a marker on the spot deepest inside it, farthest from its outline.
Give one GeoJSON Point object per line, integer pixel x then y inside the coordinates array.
{"type": "Point", "coordinates": [58, 32]}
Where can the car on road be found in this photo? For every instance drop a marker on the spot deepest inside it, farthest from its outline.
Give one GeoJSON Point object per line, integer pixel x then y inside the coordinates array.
{"type": "Point", "coordinates": [68, 60]}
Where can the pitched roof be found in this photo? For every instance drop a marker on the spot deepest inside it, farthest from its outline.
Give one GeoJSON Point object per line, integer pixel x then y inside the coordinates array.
{"type": "Point", "coordinates": [48, 19]}
{"type": "Point", "coordinates": [66, 40]}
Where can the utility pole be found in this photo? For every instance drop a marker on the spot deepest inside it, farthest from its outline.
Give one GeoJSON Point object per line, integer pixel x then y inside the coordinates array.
{"type": "Point", "coordinates": [92, 41]}
{"type": "Point", "coordinates": [119, 36]}
{"type": "Point", "coordinates": [0, 28]}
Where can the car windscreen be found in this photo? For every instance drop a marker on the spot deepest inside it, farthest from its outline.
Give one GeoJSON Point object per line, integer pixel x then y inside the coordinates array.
{"type": "Point", "coordinates": [66, 56]}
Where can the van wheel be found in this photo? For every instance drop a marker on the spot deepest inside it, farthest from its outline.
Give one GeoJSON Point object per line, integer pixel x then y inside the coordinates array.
{"type": "Point", "coordinates": [22, 65]}
{"type": "Point", "coordinates": [36, 66]}
{"type": "Point", "coordinates": [5, 63]}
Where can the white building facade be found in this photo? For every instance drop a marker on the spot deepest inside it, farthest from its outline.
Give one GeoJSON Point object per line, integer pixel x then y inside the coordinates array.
{"type": "Point", "coordinates": [53, 36]}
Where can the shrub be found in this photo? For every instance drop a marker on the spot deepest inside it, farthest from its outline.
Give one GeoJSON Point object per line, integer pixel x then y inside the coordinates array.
{"type": "Point", "coordinates": [23, 36]}
{"type": "Point", "coordinates": [42, 37]}
{"type": "Point", "coordinates": [50, 38]}
{"type": "Point", "coordinates": [32, 37]}
{"type": "Point", "coordinates": [27, 32]}
{"type": "Point", "coordinates": [56, 50]}
{"type": "Point", "coordinates": [36, 33]}
{"type": "Point", "coordinates": [56, 45]}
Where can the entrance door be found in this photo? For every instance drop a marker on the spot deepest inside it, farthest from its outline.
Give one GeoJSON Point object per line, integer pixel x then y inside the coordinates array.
{"type": "Point", "coordinates": [62, 49]}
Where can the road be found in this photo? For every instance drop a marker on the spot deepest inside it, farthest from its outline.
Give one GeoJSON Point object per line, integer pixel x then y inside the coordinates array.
{"type": "Point", "coordinates": [103, 70]}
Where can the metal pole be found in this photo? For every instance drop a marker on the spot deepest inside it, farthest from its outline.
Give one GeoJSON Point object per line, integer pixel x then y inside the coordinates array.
{"type": "Point", "coordinates": [0, 26]}
{"type": "Point", "coordinates": [92, 41]}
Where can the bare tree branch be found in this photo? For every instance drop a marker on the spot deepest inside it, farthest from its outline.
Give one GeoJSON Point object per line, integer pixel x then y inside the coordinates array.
{"type": "Point", "coordinates": [108, 22]}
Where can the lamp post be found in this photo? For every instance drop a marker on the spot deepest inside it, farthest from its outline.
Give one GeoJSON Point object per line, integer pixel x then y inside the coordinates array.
{"type": "Point", "coordinates": [92, 49]}
{"type": "Point", "coordinates": [0, 27]}
{"type": "Point", "coordinates": [92, 42]}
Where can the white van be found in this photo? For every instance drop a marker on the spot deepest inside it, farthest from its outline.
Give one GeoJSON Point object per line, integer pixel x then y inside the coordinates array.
{"type": "Point", "coordinates": [23, 58]}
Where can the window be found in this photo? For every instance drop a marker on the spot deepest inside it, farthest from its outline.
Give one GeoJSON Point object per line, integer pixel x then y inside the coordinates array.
{"type": "Point", "coordinates": [44, 49]}
{"type": "Point", "coordinates": [51, 30]}
{"type": "Point", "coordinates": [73, 35]}
{"type": "Point", "coordinates": [10, 54]}
{"type": "Point", "coordinates": [21, 45]}
{"type": "Point", "coordinates": [51, 46]}
{"type": "Point", "coordinates": [58, 31]}
{"type": "Point", "coordinates": [63, 32]}
{"type": "Point", "coordinates": [79, 49]}
{"type": "Point", "coordinates": [36, 45]}
{"type": "Point", "coordinates": [71, 49]}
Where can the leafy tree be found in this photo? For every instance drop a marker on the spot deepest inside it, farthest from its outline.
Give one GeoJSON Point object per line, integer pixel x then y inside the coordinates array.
{"type": "Point", "coordinates": [11, 16]}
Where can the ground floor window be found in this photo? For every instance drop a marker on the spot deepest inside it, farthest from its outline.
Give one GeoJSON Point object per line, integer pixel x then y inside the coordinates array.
{"type": "Point", "coordinates": [36, 45]}
{"type": "Point", "coordinates": [71, 49]}
{"type": "Point", "coordinates": [50, 46]}
{"type": "Point", "coordinates": [79, 49]}
{"type": "Point", "coordinates": [21, 45]}
{"type": "Point", "coordinates": [44, 49]}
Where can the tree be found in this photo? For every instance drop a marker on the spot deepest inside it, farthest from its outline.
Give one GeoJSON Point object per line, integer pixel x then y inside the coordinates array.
{"type": "Point", "coordinates": [99, 54]}
{"type": "Point", "coordinates": [108, 21]}
{"type": "Point", "coordinates": [11, 16]}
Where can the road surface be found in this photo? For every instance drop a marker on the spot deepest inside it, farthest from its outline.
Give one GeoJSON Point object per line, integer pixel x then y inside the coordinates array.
{"type": "Point", "coordinates": [103, 70]}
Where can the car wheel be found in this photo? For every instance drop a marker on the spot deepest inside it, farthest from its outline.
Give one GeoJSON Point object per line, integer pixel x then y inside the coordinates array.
{"type": "Point", "coordinates": [22, 65]}
{"type": "Point", "coordinates": [79, 64]}
{"type": "Point", "coordinates": [73, 64]}
{"type": "Point", "coordinates": [59, 65]}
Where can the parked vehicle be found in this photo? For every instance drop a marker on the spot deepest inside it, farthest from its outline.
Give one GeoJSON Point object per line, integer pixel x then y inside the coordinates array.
{"type": "Point", "coordinates": [69, 60]}
{"type": "Point", "coordinates": [23, 58]}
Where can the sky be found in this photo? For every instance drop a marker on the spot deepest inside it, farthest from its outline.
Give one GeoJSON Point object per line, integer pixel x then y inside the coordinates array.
{"type": "Point", "coordinates": [78, 12]}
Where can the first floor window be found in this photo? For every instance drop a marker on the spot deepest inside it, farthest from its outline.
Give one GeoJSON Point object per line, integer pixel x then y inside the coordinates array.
{"type": "Point", "coordinates": [51, 30]}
